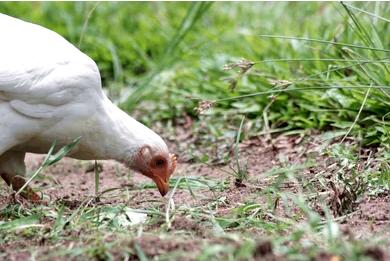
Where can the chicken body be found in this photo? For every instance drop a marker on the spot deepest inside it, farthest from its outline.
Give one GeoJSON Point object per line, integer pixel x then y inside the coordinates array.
{"type": "Point", "coordinates": [50, 91]}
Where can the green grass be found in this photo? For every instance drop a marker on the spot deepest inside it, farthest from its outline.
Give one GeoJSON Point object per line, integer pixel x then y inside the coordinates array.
{"type": "Point", "coordinates": [286, 67]}
{"type": "Point", "coordinates": [104, 232]}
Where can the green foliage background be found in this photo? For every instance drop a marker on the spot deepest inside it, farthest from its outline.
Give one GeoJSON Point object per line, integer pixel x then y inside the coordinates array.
{"type": "Point", "coordinates": [161, 57]}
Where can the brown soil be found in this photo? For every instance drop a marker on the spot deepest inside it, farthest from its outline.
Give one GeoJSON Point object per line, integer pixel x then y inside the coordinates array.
{"type": "Point", "coordinates": [72, 181]}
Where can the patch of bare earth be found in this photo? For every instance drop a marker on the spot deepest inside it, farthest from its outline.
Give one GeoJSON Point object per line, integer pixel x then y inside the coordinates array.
{"type": "Point", "coordinates": [71, 181]}
{"type": "Point", "coordinates": [372, 217]}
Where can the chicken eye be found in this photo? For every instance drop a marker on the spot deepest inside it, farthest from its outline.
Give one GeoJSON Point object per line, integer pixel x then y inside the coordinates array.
{"type": "Point", "coordinates": [159, 163]}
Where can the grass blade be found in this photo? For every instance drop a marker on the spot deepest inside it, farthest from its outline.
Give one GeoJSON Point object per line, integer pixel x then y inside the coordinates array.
{"type": "Point", "coordinates": [326, 42]}
{"type": "Point", "coordinates": [357, 116]}
{"type": "Point", "coordinates": [62, 152]}
{"type": "Point", "coordinates": [50, 160]}
{"type": "Point", "coordinates": [366, 12]}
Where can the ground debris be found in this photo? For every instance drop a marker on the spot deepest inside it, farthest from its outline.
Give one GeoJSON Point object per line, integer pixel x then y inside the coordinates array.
{"type": "Point", "coordinates": [375, 253]}
{"type": "Point", "coordinates": [327, 257]}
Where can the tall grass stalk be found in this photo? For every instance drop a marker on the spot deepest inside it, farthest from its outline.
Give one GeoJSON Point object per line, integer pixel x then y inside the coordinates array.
{"type": "Point", "coordinates": [357, 116]}
{"type": "Point", "coordinates": [326, 42]}
{"type": "Point", "coordinates": [240, 173]}
{"type": "Point", "coordinates": [367, 12]}
{"type": "Point", "coordinates": [300, 89]}
{"type": "Point", "coordinates": [85, 24]}
{"type": "Point", "coordinates": [97, 179]}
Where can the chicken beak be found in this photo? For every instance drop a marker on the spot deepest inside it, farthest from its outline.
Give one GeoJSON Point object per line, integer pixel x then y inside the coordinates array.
{"type": "Point", "coordinates": [162, 179]}
{"type": "Point", "coordinates": [163, 186]}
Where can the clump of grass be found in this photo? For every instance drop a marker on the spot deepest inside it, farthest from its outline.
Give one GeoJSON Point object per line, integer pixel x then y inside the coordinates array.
{"type": "Point", "coordinates": [352, 173]}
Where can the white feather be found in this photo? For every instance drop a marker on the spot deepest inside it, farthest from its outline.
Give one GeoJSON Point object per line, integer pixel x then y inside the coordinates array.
{"type": "Point", "coordinates": [49, 90]}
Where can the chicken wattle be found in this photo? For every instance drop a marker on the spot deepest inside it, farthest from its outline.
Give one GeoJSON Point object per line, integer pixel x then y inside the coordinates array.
{"type": "Point", "coordinates": [49, 91]}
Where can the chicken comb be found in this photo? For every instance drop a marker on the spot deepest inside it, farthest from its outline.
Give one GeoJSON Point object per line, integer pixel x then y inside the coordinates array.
{"type": "Point", "coordinates": [174, 162]}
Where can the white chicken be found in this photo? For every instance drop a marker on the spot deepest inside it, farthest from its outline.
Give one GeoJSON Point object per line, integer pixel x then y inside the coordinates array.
{"type": "Point", "coordinates": [49, 91]}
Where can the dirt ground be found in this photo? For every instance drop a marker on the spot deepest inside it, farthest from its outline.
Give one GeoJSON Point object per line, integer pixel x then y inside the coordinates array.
{"type": "Point", "coordinates": [71, 181]}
